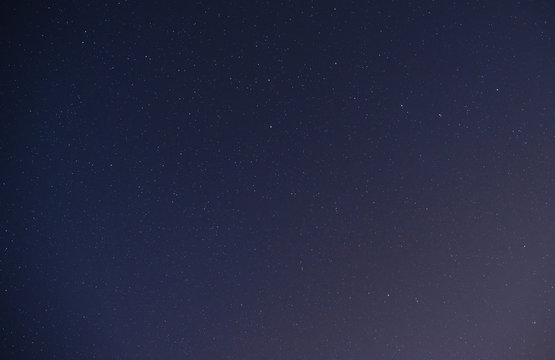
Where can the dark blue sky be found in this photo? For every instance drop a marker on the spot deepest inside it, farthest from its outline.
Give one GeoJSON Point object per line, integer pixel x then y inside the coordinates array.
{"type": "Point", "coordinates": [277, 180]}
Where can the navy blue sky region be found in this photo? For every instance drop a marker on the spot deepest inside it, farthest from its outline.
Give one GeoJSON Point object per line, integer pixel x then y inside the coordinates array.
{"type": "Point", "coordinates": [277, 180]}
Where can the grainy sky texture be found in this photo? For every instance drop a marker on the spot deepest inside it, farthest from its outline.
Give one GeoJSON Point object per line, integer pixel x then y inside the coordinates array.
{"type": "Point", "coordinates": [277, 180]}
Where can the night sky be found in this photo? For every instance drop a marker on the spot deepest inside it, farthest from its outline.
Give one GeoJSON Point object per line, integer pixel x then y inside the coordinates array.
{"type": "Point", "coordinates": [277, 180]}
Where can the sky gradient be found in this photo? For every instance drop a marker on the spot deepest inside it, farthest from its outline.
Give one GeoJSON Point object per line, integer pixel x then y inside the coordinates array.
{"type": "Point", "coordinates": [277, 180]}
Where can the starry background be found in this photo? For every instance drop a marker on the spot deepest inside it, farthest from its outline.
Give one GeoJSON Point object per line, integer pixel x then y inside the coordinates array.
{"type": "Point", "coordinates": [277, 180]}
